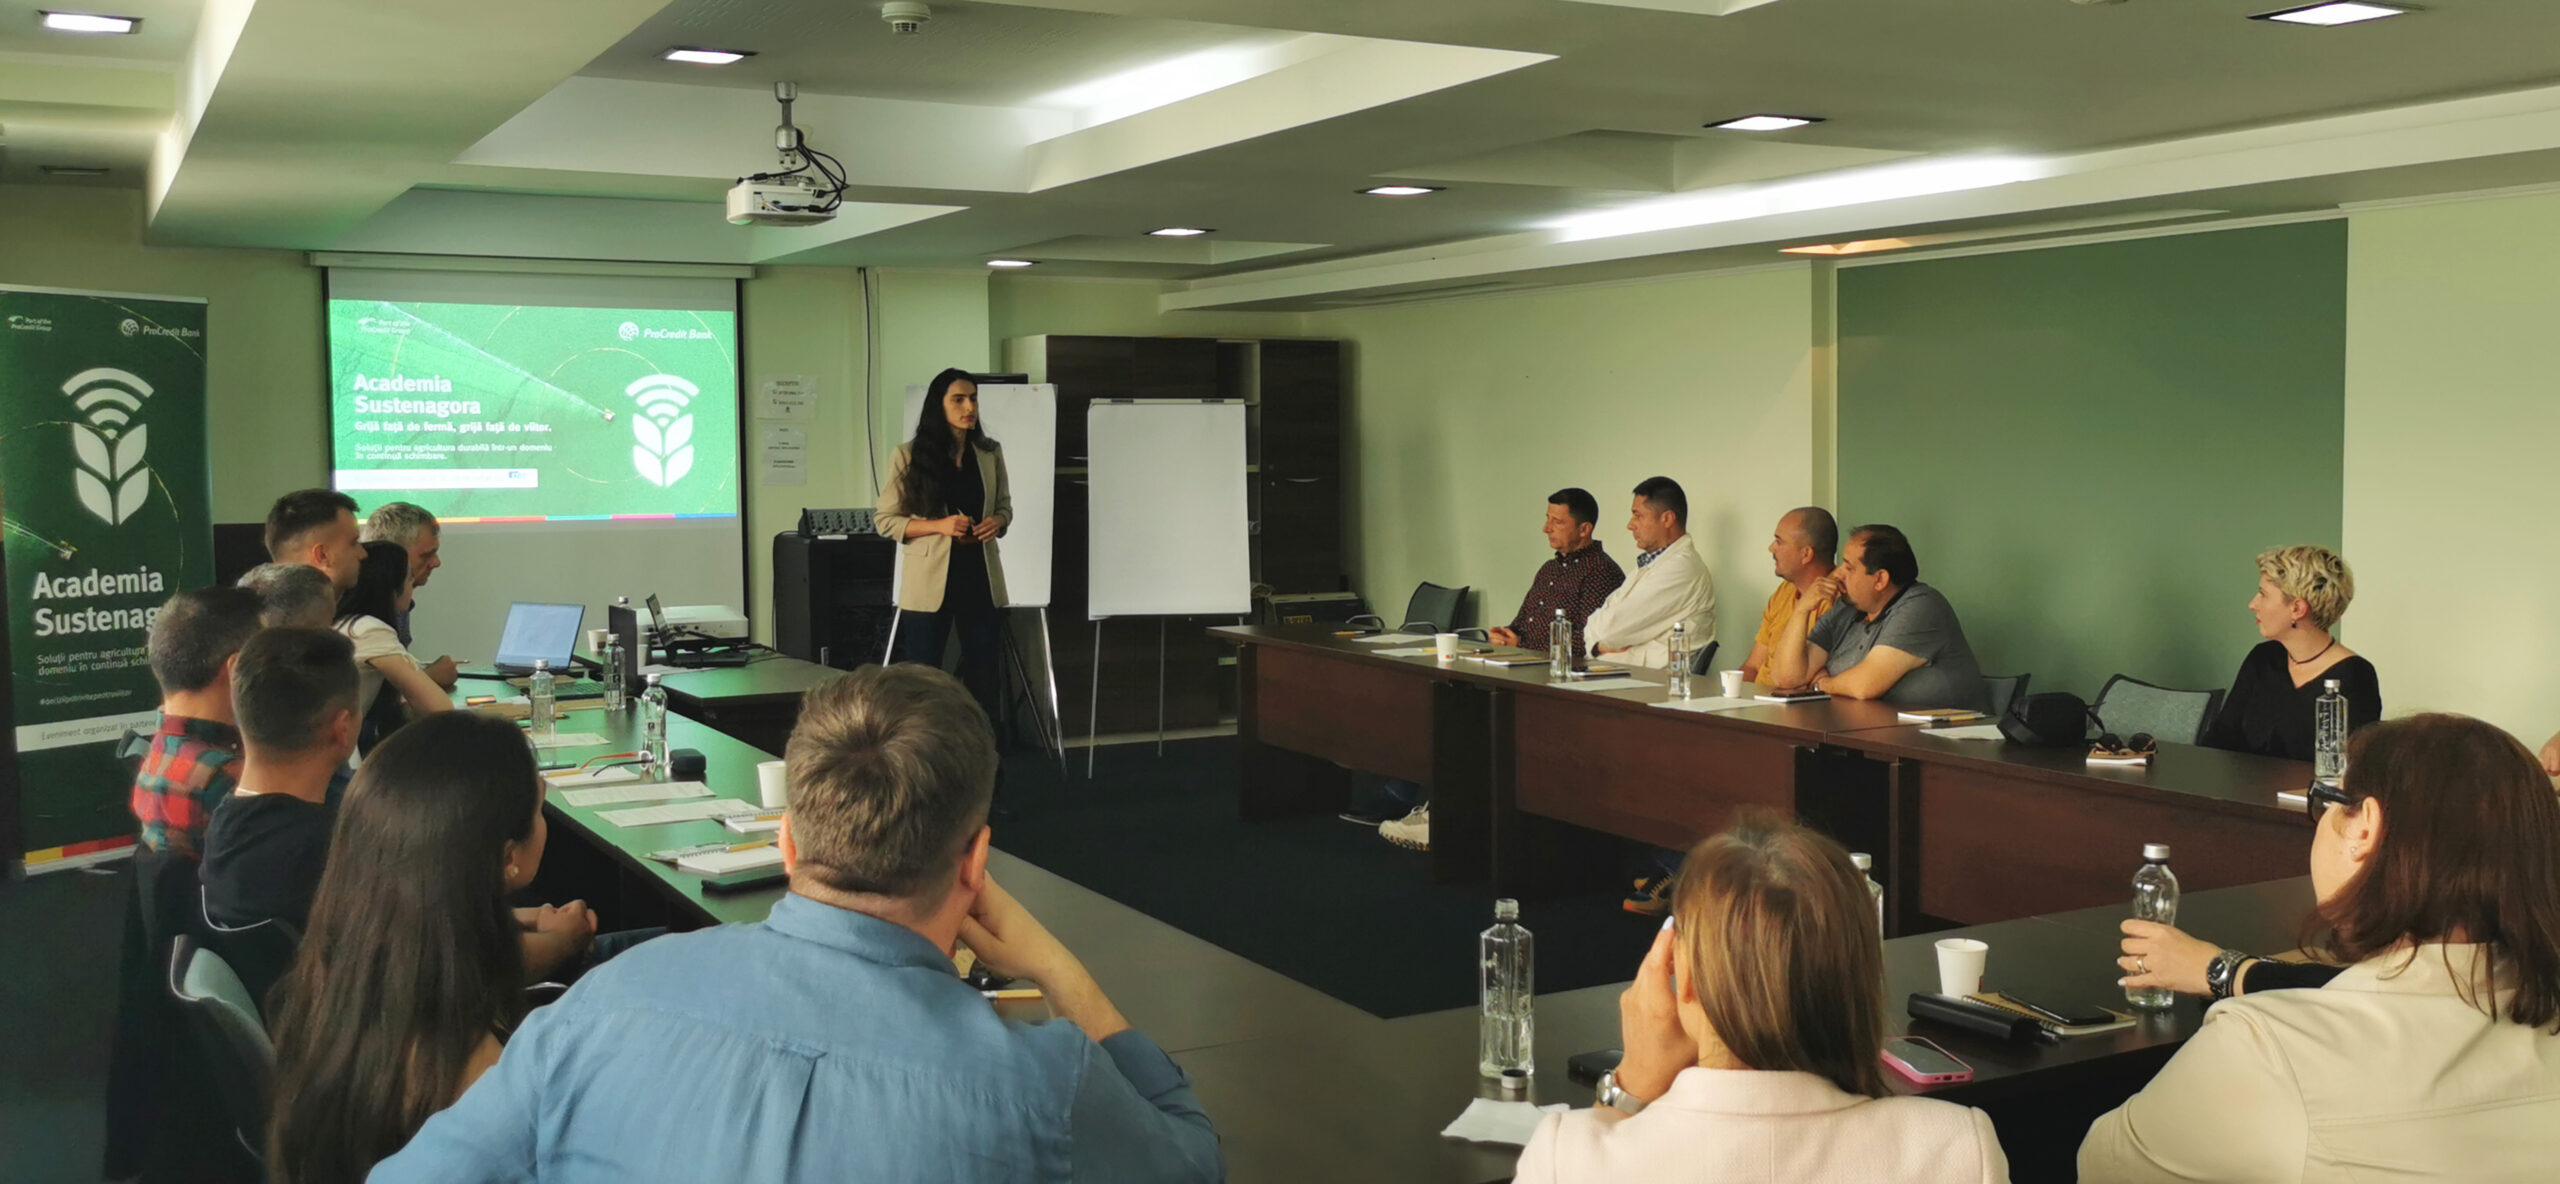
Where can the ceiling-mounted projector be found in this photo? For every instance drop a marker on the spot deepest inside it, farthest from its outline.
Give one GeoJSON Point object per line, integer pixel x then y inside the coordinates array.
{"type": "Point", "coordinates": [804, 191]}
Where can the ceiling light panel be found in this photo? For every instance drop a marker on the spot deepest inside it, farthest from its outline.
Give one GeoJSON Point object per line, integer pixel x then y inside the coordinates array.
{"type": "Point", "coordinates": [89, 22]}
{"type": "Point", "coordinates": [1179, 232]}
{"type": "Point", "coordinates": [1765, 123]}
{"type": "Point", "coordinates": [706, 57]}
{"type": "Point", "coordinates": [1402, 190]}
{"type": "Point", "coordinates": [2345, 12]}
{"type": "Point", "coordinates": [1011, 263]}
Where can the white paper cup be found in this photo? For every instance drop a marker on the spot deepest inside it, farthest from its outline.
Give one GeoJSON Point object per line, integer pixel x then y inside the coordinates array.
{"type": "Point", "coordinates": [770, 784]}
{"type": "Point", "coordinates": [596, 639]}
{"type": "Point", "coordinates": [1960, 962]}
{"type": "Point", "coordinates": [1446, 644]}
{"type": "Point", "coordinates": [1732, 683]}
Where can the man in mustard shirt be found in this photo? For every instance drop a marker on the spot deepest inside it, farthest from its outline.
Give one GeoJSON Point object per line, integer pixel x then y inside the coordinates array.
{"type": "Point", "coordinates": [1804, 550]}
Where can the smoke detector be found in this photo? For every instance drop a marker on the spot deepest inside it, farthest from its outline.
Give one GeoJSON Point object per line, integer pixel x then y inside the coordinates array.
{"type": "Point", "coordinates": [906, 17]}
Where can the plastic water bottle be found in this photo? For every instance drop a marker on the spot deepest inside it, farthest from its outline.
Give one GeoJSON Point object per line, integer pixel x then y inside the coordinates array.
{"type": "Point", "coordinates": [546, 703]}
{"type": "Point", "coordinates": [1560, 649]}
{"type": "Point", "coordinates": [2329, 756]}
{"type": "Point", "coordinates": [616, 693]}
{"type": "Point", "coordinates": [2155, 898]}
{"type": "Point", "coordinates": [1679, 659]}
{"type": "Point", "coordinates": [1866, 866]}
{"type": "Point", "coordinates": [1507, 959]}
{"type": "Point", "coordinates": [653, 727]}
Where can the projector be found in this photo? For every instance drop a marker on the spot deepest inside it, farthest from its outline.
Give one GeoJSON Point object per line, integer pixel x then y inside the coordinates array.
{"type": "Point", "coordinates": [780, 201]}
{"type": "Point", "coordinates": [706, 620]}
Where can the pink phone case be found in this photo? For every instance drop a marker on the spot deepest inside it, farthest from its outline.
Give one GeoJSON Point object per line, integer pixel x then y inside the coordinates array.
{"type": "Point", "coordinates": [1917, 1077]}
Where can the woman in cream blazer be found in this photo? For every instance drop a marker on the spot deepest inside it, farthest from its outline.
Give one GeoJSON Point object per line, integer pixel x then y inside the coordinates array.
{"type": "Point", "coordinates": [1737, 1072]}
{"type": "Point", "coordinates": [946, 501]}
{"type": "Point", "coordinates": [2433, 1055]}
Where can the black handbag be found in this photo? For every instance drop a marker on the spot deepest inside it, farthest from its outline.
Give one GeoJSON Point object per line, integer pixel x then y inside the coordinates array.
{"type": "Point", "coordinates": [2052, 719]}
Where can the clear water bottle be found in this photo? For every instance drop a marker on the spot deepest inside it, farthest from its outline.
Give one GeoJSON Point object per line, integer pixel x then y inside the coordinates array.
{"type": "Point", "coordinates": [1507, 959]}
{"type": "Point", "coordinates": [2155, 898]}
{"type": "Point", "coordinates": [1679, 659]}
{"type": "Point", "coordinates": [2329, 754]}
{"type": "Point", "coordinates": [616, 693]}
{"type": "Point", "coordinates": [653, 727]}
{"type": "Point", "coordinates": [542, 692]}
{"type": "Point", "coordinates": [1560, 649]}
{"type": "Point", "coordinates": [1866, 866]}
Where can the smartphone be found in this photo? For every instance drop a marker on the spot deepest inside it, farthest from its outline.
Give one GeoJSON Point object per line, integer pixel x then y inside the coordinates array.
{"type": "Point", "coordinates": [2068, 1017]}
{"type": "Point", "coordinates": [1923, 1061]}
{"type": "Point", "coordinates": [1586, 1067]}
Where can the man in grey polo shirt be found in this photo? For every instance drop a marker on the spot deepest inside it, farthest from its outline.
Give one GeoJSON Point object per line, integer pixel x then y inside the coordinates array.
{"type": "Point", "coordinates": [1890, 637]}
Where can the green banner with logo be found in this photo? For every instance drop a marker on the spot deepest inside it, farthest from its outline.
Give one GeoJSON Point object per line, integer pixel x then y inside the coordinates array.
{"type": "Point", "coordinates": [107, 508]}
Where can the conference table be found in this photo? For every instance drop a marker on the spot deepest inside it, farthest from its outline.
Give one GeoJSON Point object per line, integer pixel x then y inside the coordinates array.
{"type": "Point", "coordinates": [1524, 773]}
{"type": "Point", "coordinates": [1303, 1086]}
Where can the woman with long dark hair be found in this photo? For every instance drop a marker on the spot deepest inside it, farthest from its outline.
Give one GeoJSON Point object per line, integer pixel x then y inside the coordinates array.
{"type": "Point", "coordinates": [947, 502]}
{"type": "Point", "coordinates": [413, 969]}
{"type": "Point", "coordinates": [368, 614]}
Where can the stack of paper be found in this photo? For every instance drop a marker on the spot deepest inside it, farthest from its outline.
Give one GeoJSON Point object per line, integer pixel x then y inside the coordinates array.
{"type": "Point", "coordinates": [655, 791]}
{"type": "Point", "coordinates": [721, 863]}
{"type": "Point", "coordinates": [569, 740]}
{"type": "Point", "coordinates": [1391, 638]}
{"type": "Point", "coordinates": [1607, 684]}
{"type": "Point", "coordinates": [691, 811]}
{"type": "Point", "coordinates": [1976, 732]}
{"type": "Point", "coordinates": [1488, 1121]}
{"type": "Point", "coordinates": [1711, 703]}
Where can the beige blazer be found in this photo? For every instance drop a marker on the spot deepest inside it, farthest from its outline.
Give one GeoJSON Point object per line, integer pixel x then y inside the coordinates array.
{"type": "Point", "coordinates": [928, 559]}
{"type": "Point", "coordinates": [2383, 1074]}
{"type": "Point", "coordinates": [1739, 1126]}
{"type": "Point", "coordinates": [1637, 617]}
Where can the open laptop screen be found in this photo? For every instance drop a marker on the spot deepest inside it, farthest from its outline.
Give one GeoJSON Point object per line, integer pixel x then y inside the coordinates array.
{"type": "Point", "coordinates": [545, 631]}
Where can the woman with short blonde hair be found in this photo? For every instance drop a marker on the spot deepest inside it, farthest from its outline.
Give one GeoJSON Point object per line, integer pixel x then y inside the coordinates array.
{"type": "Point", "coordinates": [2302, 592]}
{"type": "Point", "coordinates": [1752, 1034]}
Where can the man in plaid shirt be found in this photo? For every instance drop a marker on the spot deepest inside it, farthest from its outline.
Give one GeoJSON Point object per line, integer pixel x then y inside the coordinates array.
{"type": "Point", "coordinates": [194, 759]}
{"type": "Point", "coordinates": [1579, 577]}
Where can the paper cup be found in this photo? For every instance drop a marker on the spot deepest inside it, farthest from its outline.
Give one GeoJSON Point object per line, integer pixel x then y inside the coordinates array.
{"type": "Point", "coordinates": [1960, 962]}
{"type": "Point", "coordinates": [596, 639]}
{"type": "Point", "coordinates": [775, 790]}
{"type": "Point", "coordinates": [1446, 644]}
{"type": "Point", "coordinates": [1732, 683]}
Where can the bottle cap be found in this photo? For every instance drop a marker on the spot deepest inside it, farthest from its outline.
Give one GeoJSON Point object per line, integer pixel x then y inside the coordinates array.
{"type": "Point", "coordinates": [2329, 684]}
{"type": "Point", "coordinates": [653, 680]}
{"type": "Point", "coordinates": [1864, 861]}
{"type": "Point", "coordinates": [1506, 909]}
{"type": "Point", "coordinates": [542, 663]}
{"type": "Point", "coordinates": [1515, 1079]}
{"type": "Point", "coordinates": [2155, 852]}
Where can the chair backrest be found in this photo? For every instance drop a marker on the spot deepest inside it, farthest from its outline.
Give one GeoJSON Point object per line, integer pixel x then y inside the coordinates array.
{"type": "Point", "coordinates": [258, 954]}
{"type": "Point", "coordinates": [2129, 705]}
{"type": "Point", "coordinates": [1705, 662]}
{"type": "Point", "coordinates": [2004, 689]}
{"type": "Point", "coordinates": [1435, 606]}
{"type": "Point", "coordinates": [225, 1021]}
{"type": "Point", "coordinates": [131, 748]}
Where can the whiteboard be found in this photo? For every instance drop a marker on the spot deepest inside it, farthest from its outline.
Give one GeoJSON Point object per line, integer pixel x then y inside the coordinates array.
{"type": "Point", "coordinates": [1169, 533]}
{"type": "Point", "coordinates": [1024, 419]}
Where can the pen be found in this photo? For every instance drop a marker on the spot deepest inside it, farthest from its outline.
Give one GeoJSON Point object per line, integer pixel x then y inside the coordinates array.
{"type": "Point", "coordinates": [749, 846]}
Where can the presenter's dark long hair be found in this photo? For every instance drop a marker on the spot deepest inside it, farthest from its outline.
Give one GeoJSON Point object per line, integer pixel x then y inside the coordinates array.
{"type": "Point", "coordinates": [379, 579]}
{"type": "Point", "coordinates": [412, 958]}
{"type": "Point", "coordinates": [920, 491]}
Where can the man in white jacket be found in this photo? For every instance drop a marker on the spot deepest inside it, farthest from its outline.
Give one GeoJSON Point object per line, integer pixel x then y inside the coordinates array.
{"type": "Point", "coordinates": [1669, 583]}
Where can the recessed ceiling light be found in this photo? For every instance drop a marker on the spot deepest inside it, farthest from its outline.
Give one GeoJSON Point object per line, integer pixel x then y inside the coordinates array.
{"type": "Point", "coordinates": [706, 57]}
{"type": "Point", "coordinates": [1011, 263]}
{"type": "Point", "coordinates": [1179, 231]}
{"type": "Point", "coordinates": [1859, 247]}
{"type": "Point", "coordinates": [2343, 12]}
{"type": "Point", "coordinates": [1402, 190]}
{"type": "Point", "coordinates": [1765, 123]}
{"type": "Point", "coordinates": [71, 170]}
{"type": "Point", "coordinates": [89, 22]}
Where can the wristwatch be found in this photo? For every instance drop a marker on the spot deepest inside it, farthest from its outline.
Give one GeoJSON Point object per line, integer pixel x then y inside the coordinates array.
{"type": "Point", "coordinates": [2221, 974]}
{"type": "Point", "coordinates": [1618, 1099]}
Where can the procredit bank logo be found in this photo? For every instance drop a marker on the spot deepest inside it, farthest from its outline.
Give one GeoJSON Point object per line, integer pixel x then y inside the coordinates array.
{"type": "Point", "coordinates": [28, 324]}
{"type": "Point", "coordinates": [107, 442]}
{"type": "Point", "coordinates": [664, 428]}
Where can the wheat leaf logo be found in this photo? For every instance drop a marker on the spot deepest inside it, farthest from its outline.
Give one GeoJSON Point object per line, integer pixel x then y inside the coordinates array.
{"type": "Point", "coordinates": [107, 445]}
{"type": "Point", "coordinates": [663, 430]}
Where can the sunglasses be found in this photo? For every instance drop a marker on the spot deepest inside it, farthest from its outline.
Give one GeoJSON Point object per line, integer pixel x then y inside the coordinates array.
{"type": "Point", "coordinates": [2137, 744]}
{"type": "Point", "coordinates": [2325, 795]}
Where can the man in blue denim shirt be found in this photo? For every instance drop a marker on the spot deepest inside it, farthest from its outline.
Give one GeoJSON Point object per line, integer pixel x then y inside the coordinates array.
{"type": "Point", "coordinates": [834, 1041]}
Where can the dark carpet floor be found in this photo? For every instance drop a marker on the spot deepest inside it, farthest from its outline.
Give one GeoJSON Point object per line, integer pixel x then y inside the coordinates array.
{"type": "Point", "coordinates": [1318, 899]}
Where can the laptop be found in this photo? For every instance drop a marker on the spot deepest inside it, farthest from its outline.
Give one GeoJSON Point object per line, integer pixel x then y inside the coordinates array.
{"type": "Point", "coordinates": [545, 631]}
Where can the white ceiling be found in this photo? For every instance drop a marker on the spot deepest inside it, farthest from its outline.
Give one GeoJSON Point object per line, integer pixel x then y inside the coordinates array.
{"type": "Point", "coordinates": [1567, 131]}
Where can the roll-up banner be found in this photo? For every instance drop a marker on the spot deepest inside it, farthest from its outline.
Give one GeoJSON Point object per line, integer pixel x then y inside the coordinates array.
{"type": "Point", "coordinates": [107, 509]}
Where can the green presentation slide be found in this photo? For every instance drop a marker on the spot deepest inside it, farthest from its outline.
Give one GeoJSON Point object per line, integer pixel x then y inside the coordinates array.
{"type": "Point", "coordinates": [486, 412]}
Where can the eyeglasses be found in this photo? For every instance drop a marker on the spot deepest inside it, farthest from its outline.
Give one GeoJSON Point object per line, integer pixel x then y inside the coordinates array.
{"type": "Point", "coordinates": [2324, 795]}
{"type": "Point", "coordinates": [2137, 744]}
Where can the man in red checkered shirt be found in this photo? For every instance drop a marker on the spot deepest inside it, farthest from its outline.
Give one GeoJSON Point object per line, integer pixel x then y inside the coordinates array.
{"type": "Point", "coordinates": [194, 759]}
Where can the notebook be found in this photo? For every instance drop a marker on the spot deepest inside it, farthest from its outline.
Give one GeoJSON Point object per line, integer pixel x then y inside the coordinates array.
{"type": "Point", "coordinates": [721, 863]}
{"type": "Point", "coordinates": [1796, 697]}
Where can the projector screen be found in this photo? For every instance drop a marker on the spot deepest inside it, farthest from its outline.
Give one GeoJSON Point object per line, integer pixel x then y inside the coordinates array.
{"type": "Point", "coordinates": [577, 436]}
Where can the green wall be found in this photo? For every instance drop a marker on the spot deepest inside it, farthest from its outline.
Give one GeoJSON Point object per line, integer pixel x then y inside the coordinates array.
{"type": "Point", "coordinates": [2088, 445]}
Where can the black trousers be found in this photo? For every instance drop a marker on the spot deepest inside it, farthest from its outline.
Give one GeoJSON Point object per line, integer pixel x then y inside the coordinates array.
{"type": "Point", "coordinates": [980, 626]}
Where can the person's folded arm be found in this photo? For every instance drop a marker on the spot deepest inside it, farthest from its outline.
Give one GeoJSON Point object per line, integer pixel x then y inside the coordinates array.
{"type": "Point", "coordinates": [1794, 658]}
{"type": "Point", "coordinates": [1135, 1118]}
{"type": "Point", "coordinates": [1873, 675]}
{"type": "Point", "coordinates": [489, 1133]}
{"type": "Point", "coordinates": [419, 692]}
{"type": "Point", "coordinates": [1758, 661]}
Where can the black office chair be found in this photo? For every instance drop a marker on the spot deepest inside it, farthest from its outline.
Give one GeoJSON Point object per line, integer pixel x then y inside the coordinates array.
{"type": "Point", "coordinates": [2129, 705]}
{"type": "Point", "coordinates": [2004, 689]}
{"type": "Point", "coordinates": [258, 955]}
{"type": "Point", "coordinates": [233, 1040]}
{"type": "Point", "coordinates": [139, 1065]}
{"type": "Point", "coordinates": [1705, 662]}
{"type": "Point", "coordinates": [1433, 609]}
{"type": "Point", "coordinates": [131, 747]}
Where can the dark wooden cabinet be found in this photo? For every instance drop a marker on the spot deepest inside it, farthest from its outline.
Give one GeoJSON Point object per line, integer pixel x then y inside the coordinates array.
{"type": "Point", "coordinates": [1294, 491]}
